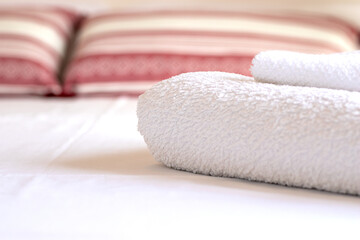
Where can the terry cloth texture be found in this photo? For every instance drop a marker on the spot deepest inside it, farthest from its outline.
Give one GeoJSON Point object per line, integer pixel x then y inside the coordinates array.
{"type": "Point", "coordinates": [337, 71]}
{"type": "Point", "coordinates": [228, 125]}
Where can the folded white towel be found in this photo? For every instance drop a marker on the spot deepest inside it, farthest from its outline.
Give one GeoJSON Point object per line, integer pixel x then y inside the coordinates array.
{"type": "Point", "coordinates": [338, 71]}
{"type": "Point", "coordinates": [228, 125]}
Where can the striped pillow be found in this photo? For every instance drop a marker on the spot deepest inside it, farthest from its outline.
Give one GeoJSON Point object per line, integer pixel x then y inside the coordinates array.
{"type": "Point", "coordinates": [127, 52]}
{"type": "Point", "coordinates": [32, 47]}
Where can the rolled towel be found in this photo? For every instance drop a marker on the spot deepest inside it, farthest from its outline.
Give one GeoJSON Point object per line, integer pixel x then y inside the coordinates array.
{"type": "Point", "coordinates": [227, 125]}
{"type": "Point", "coordinates": [337, 71]}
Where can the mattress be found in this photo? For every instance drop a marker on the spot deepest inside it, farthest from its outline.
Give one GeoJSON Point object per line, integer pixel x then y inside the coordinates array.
{"type": "Point", "coordinates": [79, 169]}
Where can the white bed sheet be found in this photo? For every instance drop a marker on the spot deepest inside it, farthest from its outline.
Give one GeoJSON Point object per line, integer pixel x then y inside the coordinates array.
{"type": "Point", "coordinates": [78, 169]}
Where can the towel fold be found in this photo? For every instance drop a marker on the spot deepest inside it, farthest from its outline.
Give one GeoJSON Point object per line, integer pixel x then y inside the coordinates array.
{"type": "Point", "coordinates": [337, 71]}
{"type": "Point", "coordinates": [229, 125]}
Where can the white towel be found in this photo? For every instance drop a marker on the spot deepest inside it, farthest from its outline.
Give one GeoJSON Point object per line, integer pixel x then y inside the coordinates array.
{"type": "Point", "coordinates": [228, 125]}
{"type": "Point", "coordinates": [337, 71]}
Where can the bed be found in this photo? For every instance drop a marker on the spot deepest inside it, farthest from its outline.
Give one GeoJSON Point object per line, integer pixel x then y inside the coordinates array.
{"type": "Point", "coordinates": [77, 168]}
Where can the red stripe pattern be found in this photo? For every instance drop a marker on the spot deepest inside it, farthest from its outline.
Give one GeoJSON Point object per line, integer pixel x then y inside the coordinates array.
{"type": "Point", "coordinates": [33, 42]}
{"type": "Point", "coordinates": [126, 49]}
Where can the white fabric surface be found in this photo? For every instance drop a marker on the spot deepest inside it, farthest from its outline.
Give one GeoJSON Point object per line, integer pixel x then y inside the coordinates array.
{"type": "Point", "coordinates": [78, 169]}
{"type": "Point", "coordinates": [337, 71]}
{"type": "Point", "coordinates": [225, 124]}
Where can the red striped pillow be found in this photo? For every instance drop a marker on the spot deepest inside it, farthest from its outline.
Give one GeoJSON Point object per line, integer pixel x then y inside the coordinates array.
{"type": "Point", "coordinates": [128, 52]}
{"type": "Point", "coordinates": [32, 47]}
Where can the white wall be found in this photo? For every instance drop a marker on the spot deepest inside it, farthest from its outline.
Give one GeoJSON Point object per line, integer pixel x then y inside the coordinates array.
{"type": "Point", "coordinates": [347, 9]}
